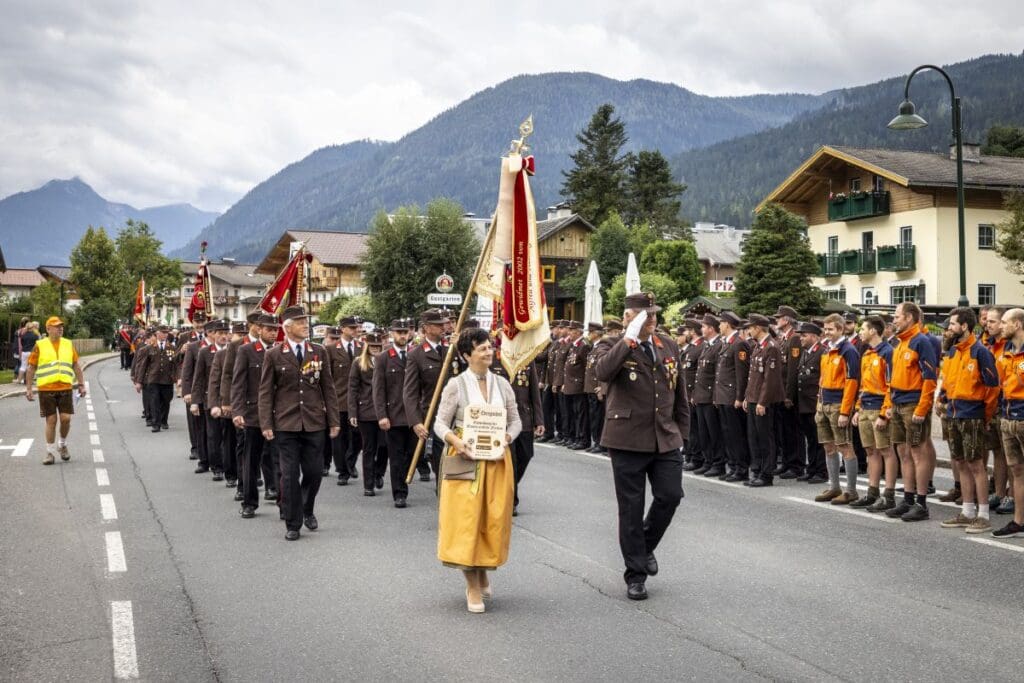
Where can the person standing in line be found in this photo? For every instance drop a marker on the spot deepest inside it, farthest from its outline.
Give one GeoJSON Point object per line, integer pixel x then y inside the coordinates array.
{"type": "Point", "coordinates": [242, 334]}
{"type": "Point", "coordinates": [592, 389]}
{"type": "Point", "coordinates": [297, 403]}
{"type": "Point", "coordinates": [389, 402]}
{"type": "Point", "coordinates": [348, 444]}
{"type": "Point", "coordinates": [792, 445]}
{"type": "Point", "coordinates": [53, 367]}
{"type": "Point", "coordinates": [196, 423]}
{"type": "Point", "coordinates": [422, 372]}
{"type": "Point", "coordinates": [217, 336]}
{"type": "Point", "coordinates": [991, 320]}
{"type": "Point", "coordinates": [804, 393]}
{"type": "Point", "coordinates": [693, 457]}
{"type": "Point", "coordinates": [875, 371]}
{"type": "Point", "coordinates": [840, 377]}
{"type": "Point", "coordinates": [1011, 372]}
{"type": "Point", "coordinates": [363, 415]}
{"type": "Point", "coordinates": [710, 426]}
{"type": "Point", "coordinates": [731, 373]}
{"type": "Point", "coordinates": [762, 398]}
{"type": "Point", "coordinates": [575, 398]}
{"type": "Point", "coordinates": [214, 402]}
{"type": "Point", "coordinates": [561, 352]}
{"type": "Point", "coordinates": [146, 341]}
{"type": "Point", "coordinates": [548, 396]}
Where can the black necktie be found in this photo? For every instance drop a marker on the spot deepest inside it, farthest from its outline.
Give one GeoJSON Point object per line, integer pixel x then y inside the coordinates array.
{"type": "Point", "coordinates": [649, 350]}
{"type": "Point", "coordinates": [401, 355]}
{"type": "Point", "coordinates": [348, 347]}
{"type": "Point", "coordinates": [298, 354]}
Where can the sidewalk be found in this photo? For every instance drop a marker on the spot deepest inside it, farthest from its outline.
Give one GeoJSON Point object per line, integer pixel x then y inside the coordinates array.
{"type": "Point", "coordinates": [12, 389]}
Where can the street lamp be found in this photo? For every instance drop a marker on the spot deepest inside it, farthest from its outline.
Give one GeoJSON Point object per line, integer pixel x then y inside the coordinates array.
{"type": "Point", "coordinates": [908, 119]}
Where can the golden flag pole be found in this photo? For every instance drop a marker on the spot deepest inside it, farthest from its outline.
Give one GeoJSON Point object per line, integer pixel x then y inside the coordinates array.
{"type": "Point", "coordinates": [525, 130]}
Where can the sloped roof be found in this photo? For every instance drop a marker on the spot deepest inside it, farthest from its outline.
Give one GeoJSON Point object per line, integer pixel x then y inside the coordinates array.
{"type": "Point", "coordinates": [718, 247]}
{"type": "Point", "coordinates": [551, 227]}
{"type": "Point", "coordinates": [330, 248]}
{"type": "Point", "coordinates": [60, 273]}
{"type": "Point", "coordinates": [241, 274]}
{"type": "Point", "coordinates": [904, 167]}
{"type": "Point", "coordinates": [21, 277]}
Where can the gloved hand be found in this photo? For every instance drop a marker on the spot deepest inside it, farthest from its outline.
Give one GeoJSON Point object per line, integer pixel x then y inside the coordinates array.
{"type": "Point", "coordinates": [632, 332]}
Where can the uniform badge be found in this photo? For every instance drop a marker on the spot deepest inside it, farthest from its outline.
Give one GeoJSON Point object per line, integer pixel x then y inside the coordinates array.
{"type": "Point", "coordinates": [795, 353]}
{"type": "Point", "coordinates": [742, 355]}
{"type": "Point", "coordinates": [632, 376]}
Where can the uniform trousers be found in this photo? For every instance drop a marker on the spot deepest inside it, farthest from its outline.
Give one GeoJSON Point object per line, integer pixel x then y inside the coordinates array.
{"type": "Point", "coordinates": [190, 421]}
{"type": "Point", "coordinates": [215, 437]}
{"type": "Point", "coordinates": [565, 423]}
{"type": "Point", "coordinates": [346, 449]}
{"type": "Point", "coordinates": [300, 452]}
{"type": "Point", "coordinates": [549, 403]}
{"type": "Point", "coordinates": [710, 435]}
{"type": "Point", "coordinates": [328, 452]}
{"type": "Point", "coordinates": [522, 454]}
{"type": "Point", "coordinates": [580, 417]}
{"type": "Point", "coordinates": [734, 436]}
{"type": "Point", "coordinates": [252, 460]}
{"type": "Point", "coordinates": [401, 444]}
{"type": "Point", "coordinates": [639, 534]}
{"type": "Point", "coordinates": [693, 452]}
{"type": "Point", "coordinates": [596, 410]}
{"type": "Point", "coordinates": [145, 404]}
{"type": "Point", "coordinates": [161, 408]}
{"type": "Point", "coordinates": [126, 359]}
{"type": "Point", "coordinates": [375, 453]}
{"type": "Point", "coordinates": [814, 450]}
{"type": "Point", "coordinates": [230, 448]}
{"type": "Point", "coordinates": [202, 440]}
{"type": "Point", "coordinates": [271, 465]}
{"type": "Point", "coordinates": [239, 453]}
{"type": "Point", "coordinates": [761, 438]}
{"type": "Point", "coordinates": [789, 440]}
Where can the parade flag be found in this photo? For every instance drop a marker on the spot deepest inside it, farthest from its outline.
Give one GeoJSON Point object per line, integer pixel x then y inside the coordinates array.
{"type": "Point", "coordinates": [285, 289]}
{"type": "Point", "coordinates": [511, 274]}
{"type": "Point", "coordinates": [140, 297]}
{"type": "Point", "coordinates": [200, 290]}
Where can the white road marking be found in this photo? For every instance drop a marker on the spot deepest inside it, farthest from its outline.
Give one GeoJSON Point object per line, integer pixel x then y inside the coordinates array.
{"type": "Point", "coordinates": [109, 401]}
{"type": "Point", "coordinates": [713, 480]}
{"type": "Point", "coordinates": [92, 427]}
{"type": "Point", "coordinates": [842, 508]}
{"type": "Point", "coordinates": [94, 439]}
{"type": "Point", "coordinates": [20, 450]}
{"type": "Point", "coordinates": [97, 455]}
{"type": "Point", "coordinates": [91, 415]}
{"type": "Point", "coordinates": [568, 452]}
{"type": "Point", "coordinates": [995, 544]}
{"type": "Point", "coordinates": [102, 478]}
{"type": "Point", "coordinates": [122, 627]}
{"type": "Point", "coordinates": [115, 553]}
{"type": "Point", "coordinates": [107, 506]}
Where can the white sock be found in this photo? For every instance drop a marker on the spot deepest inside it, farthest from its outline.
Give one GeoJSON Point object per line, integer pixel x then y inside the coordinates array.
{"type": "Point", "coordinates": [62, 442]}
{"type": "Point", "coordinates": [970, 510]}
{"type": "Point", "coordinates": [983, 510]}
{"type": "Point", "coordinates": [51, 448]}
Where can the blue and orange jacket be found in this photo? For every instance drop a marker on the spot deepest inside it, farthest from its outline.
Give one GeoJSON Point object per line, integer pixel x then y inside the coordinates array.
{"type": "Point", "coordinates": [996, 345]}
{"type": "Point", "coordinates": [840, 375]}
{"type": "Point", "coordinates": [915, 363]}
{"type": "Point", "coordinates": [875, 371]}
{"type": "Point", "coordinates": [970, 381]}
{"type": "Point", "coordinates": [1010, 364]}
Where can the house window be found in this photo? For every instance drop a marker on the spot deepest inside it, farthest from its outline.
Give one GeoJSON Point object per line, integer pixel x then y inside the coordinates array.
{"type": "Point", "coordinates": [986, 295]}
{"type": "Point", "coordinates": [854, 184]}
{"type": "Point", "coordinates": [986, 237]}
{"type": "Point", "coordinates": [879, 183]}
{"type": "Point", "coordinates": [906, 236]}
{"type": "Point", "coordinates": [913, 294]}
{"type": "Point", "coordinates": [868, 296]}
{"type": "Point", "coordinates": [867, 241]}
{"type": "Point", "coordinates": [547, 273]}
{"type": "Point", "coordinates": [836, 294]}
{"type": "Point", "coordinates": [833, 244]}
{"type": "Point", "coordinates": [728, 278]}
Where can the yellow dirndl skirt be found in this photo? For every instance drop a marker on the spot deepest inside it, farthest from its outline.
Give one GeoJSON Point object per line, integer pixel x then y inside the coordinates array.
{"type": "Point", "coordinates": [474, 522]}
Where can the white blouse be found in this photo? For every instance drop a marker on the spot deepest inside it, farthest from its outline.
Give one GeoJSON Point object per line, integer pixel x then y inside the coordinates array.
{"type": "Point", "coordinates": [499, 392]}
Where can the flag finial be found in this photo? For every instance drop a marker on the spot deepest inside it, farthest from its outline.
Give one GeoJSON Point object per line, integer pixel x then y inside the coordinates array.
{"type": "Point", "coordinates": [525, 130]}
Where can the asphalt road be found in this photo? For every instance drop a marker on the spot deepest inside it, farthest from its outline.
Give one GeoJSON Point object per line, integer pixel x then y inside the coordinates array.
{"type": "Point", "coordinates": [754, 584]}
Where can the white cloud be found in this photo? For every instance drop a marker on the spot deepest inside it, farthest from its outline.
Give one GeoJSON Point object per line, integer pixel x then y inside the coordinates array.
{"type": "Point", "coordinates": [195, 101]}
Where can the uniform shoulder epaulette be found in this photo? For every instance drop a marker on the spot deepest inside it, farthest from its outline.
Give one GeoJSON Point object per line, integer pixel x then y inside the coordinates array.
{"type": "Point", "coordinates": [392, 353]}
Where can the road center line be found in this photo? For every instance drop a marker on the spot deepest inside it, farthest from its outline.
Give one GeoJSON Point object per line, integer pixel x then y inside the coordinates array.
{"type": "Point", "coordinates": [115, 553]}
{"type": "Point", "coordinates": [94, 439]}
{"type": "Point", "coordinates": [839, 508]}
{"type": "Point", "coordinates": [92, 426]}
{"type": "Point", "coordinates": [122, 627]}
{"type": "Point", "coordinates": [97, 455]}
{"type": "Point", "coordinates": [107, 506]}
{"type": "Point", "coordinates": [102, 478]}
{"type": "Point", "coordinates": [995, 544]}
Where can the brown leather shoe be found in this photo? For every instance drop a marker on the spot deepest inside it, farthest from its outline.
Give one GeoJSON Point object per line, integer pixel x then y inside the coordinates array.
{"type": "Point", "coordinates": [827, 495]}
{"type": "Point", "coordinates": [950, 495]}
{"type": "Point", "coordinates": [845, 498]}
{"type": "Point", "coordinates": [48, 458]}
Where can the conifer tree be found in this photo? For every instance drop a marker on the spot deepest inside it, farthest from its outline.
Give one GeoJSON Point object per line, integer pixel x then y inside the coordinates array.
{"type": "Point", "coordinates": [596, 185]}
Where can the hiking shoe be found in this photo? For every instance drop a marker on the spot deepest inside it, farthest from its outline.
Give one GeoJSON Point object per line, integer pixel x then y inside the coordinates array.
{"type": "Point", "coordinates": [1006, 507]}
{"type": "Point", "coordinates": [867, 501]}
{"type": "Point", "coordinates": [1011, 530]}
{"type": "Point", "coordinates": [979, 525]}
{"type": "Point", "coordinates": [994, 501]}
{"type": "Point", "coordinates": [827, 495]}
{"type": "Point", "coordinates": [48, 458]}
{"type": "Point", "coordinates": [950, 495]}
{"type": "Point", "coordinates": [961, 521]}
{"type": "Point", "coordinates": [916, 513]}
{"type": "Point", "coordinates": [901, 508]}
{"type": "Point", "coordinates": [64, 454]}
{"type": "Point", "coordinates": [882, 504]}
{"type": "Point", "coordinates": [845, 498]}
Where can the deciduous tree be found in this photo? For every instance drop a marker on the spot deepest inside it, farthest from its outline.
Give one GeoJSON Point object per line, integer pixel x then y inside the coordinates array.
{"type": "Point", "coordinates": [777, 265]}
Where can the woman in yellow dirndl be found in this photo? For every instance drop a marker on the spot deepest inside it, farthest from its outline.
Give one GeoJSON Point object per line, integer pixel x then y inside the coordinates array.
{"type": "Point", "coordinates": [475, 513]}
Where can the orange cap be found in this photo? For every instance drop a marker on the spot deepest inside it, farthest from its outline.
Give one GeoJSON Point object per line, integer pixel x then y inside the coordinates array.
{"type": "Point", "coordinates": [53, 321]}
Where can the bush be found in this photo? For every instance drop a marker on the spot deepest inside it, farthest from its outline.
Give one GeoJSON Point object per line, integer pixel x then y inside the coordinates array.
{"type": "Point", "coordinates": [664, 289]}
{"type": "Point", "coordinates": [95, 318]}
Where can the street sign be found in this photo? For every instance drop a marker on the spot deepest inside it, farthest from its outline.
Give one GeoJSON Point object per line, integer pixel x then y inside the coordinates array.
{"type": "Point", "coordinates": [722, 286]}
{"type": "Point", "coordinates": [444, 283]}
{"type": "Point", "coordinates": [444, 299]}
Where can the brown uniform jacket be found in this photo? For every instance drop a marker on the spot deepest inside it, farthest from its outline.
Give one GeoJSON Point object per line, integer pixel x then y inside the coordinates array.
{"type": "Point", "coordinates": [526, 387]}
{"type": "Point", "coordinates": [160, 367]}
{"type": "Point", "coordinates": [807, 376]}
{"type": "Point", "coordinates": [293, 398]}
{"type": "Point", "coordinates": [227, 370]}
{"type": "Point", "coordinates": [575, 367]}
{"type": "Point", "coordinates": [201, 375]}
{"type": "Point", "coordinates": [188, 365]}
{"type": "Point", "coordinates": [360, 393]}
{"type": "Point", "coordinates": [790, 348]}
{"type": "Point", "coordinates": [549, 362]}
{"type": "Point", "coordinates": [341, 365]}
{"type": "Point", "coordinates": [560, 353]}
{"type": "Point", "coordinates": [707, 364]}
{"type": "Point", "coordinates": [139, 364]}
{"type": "Point", "coordinates": [245, 382]}
{"type": "Point", "coordinates": [215, 378]}
{"type": "Point", "coordinates": [766, 384]}
{"type": "Point", "coordinates": [589, 377]}
{"type": "Point", "coordinates": [422, 370]}
{"type": "Point", "coordinates": [732, 370]}
{"type": "Point", "coordinates": [389, 386]}
{"type": "Point", "coordinates": [647, 409]}
{"type": "Point", "coordinates": [690, 357]}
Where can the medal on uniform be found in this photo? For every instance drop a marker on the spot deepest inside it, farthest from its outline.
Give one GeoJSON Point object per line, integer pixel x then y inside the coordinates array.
{"type": "Point", "coordinates": [632, 376]}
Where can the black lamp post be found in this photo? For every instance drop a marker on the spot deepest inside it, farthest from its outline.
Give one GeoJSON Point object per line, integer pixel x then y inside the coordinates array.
{"type": "Point", "coordinates": [909, 120]}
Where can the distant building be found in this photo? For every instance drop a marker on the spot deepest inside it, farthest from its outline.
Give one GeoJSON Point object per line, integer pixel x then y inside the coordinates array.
{"type": "Point", "coordinates": [16, 283]}
{"type": "Point", "coordinates": [236, 288]}
{"type": "Point", "coordinates": [719, 248]}
{"type": "Point", "coordinates": [61, 275]}
{"type": "Point", "coordinates": [884, 225]}
{"type": "Point", "coordinates": [564, 242]}
{"type": "Point", "coordinates": [336, 269]}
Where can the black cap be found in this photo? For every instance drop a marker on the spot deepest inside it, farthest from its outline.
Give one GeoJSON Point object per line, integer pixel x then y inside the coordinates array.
{"type": "Point", "coordinates": [239, 327]}
{"type": "Point", "coordinates": [267, 320]}
{"type": "Point", "coordinates": [710, 320]}
{"type": "Point", "coordinates": [349, 321]}
{"type": "Point", "coordinates": [787, 312]}
{"type": "Point", "coordinates": [642, 301]}
{"type": "Point", "coordinates": [334, 332]}
{"type": "Point", "coordinates": [254, 316]}
{"type": "Point", "coordinates": [595, 327]}
{"type": "Point", "coordinates": [731, 318]}
{"type": "Point", "coordinates": [575, 325]}
{"type": "Point", "coordinates": [850, 317]}
{"type": "Point", "coordinates": [294, 313]}
{"type": "Point", "coordinates": [614, 325]}
{"type": "Point", "coordinates": [432, 316]}
{"type": "Point", "coordinates": [759, 320]}
{"type": "Point", "coordinates": [809, 328]}
{"type": "Point", "coordinates": [219, 325]}
{"type": "Point", "coordinates": [401, 325]}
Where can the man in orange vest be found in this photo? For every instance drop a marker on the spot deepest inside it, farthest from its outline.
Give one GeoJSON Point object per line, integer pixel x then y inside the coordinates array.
{"type": "Point", "coordinates": [54, 366]}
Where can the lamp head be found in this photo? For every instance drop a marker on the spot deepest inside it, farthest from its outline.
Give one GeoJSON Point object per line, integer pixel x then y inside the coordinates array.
{"type": "Point", "coordinates": [907, 119]}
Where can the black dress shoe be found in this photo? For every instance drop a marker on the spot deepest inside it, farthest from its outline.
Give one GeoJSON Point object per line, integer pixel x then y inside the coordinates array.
{"type": "Point", "coordinates": [310, 522]}
{"type": "Point", "coordinates": [544, 439]}
{"type": "Point", "coordinates": [733, 477]}
{"type": "Point", "coordinates": [803, 477]}
{"type": "Point", "coordinates": [164, 425]}
{"type": "Point", "coordinates": [758, 483]}
{"type": "Point", "coordinates": [247, 512]}
{"type": "Point", "coordinates": [353, 474]}
{"type": "Point", "coordinates": [156, 428]}
{"type": "Point", "coordinates": [378, 482]}
{"type": "Point", "coordinates": [342, 482]}
{"type": "Point", "coordinates": [636, 591]}
{"type": "Point", "coordinates": [218, 476]}
{"type": "Point", "coordinates": [400, 502]}
{"type": "Point", "coordinates": [369, 492]}
{"type": "Point", "coordinates": [259, 483]}
{"type": "Point", "coordinates": [652, 565]}
{"type": "Point", "coordinates": [291, 535]}
{"type": "Point", "coordinates": [714, 472]}
{"type": "Point", "coordinates": [702, 469]}
{"type": "Point", "coordinates": [271, 494]}
{"type": "Point", "coordinates": [326, 472]}
{"type": "Point", "coordinates": [202, 469]}
{"type": "Point", "coordinates": [424, 477]}
{"type": "Point", "coordinates": [746, 482]}
{"type": "Point", "coordinates": [230, 483]}
{"type": "Point", "coordinates": [193, 456]}
{"type": "Point", "coordinates": [816, 479]}
{"type": "Point", "coordinates": [789, 474]}
{"type": "Point", "coordinates": [691, 466]}
{"type": "Point", "coordinates": [515, 510]}
{"type": "Point", "coordinates": [779, 469]}
{"type": "Point", "coordinates": [239, 497]}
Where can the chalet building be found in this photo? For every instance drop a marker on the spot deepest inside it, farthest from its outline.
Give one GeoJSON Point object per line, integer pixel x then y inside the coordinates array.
{"type": "Point", "coordinates": [335, 270]}
{"type": "Point", "coordinates": [236, 288]}
{"type": "Point", "coordinates": [883, 223]}
{"type": "Point", "coordinates": [17, 283]}
{"type": "Point", "coordinates": [719, 248]}
{"type": "Point", "coordinates": [564, 243]}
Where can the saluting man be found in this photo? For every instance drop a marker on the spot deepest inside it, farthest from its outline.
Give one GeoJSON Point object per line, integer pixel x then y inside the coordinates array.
{"type": "Point", "coordinates": [297, 403]}
{"type": "Point", "coordinates": [647, 417]}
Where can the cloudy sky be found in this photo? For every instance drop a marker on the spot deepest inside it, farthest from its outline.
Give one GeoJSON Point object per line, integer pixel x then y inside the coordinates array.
{"type": "Point", "coordinates": [197, 101]}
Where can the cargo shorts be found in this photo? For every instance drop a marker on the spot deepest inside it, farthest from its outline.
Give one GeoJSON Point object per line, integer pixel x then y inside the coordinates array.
{"type": "Point", "coordinates": [869, 436]}
{"type": "Point", "coordinates": [904, 429]}
{"type": "Point", "coordinates": [827, 422]}
{"type": "Point", "coordinates": [994, 437]}
{"type": "Point", "coordinates": [967, 440]}
{"type": "Point", "coordinates": [1013, 441]}
{"type": "Point", "coordinates": [53, 402]}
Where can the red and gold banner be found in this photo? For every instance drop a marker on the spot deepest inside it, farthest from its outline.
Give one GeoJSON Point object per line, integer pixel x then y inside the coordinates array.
{"type": "Point", "coordinates": [199, 301]}
{"type": "Point", "coordinates": [139, 313]}
{"type": "Point", "coordinates": [285, 290]}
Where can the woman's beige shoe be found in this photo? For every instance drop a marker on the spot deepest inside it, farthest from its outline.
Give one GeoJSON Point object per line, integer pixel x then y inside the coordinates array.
{"type": "Point", "coordinates": [474, 607]}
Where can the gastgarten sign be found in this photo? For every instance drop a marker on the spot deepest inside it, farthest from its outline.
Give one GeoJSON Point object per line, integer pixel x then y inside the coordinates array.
{"type": "Point", "coordinates": [444, 299]}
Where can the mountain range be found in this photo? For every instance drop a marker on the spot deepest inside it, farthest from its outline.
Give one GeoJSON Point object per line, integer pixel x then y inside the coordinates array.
{"type": "Point", "coordinates": [41, 226]}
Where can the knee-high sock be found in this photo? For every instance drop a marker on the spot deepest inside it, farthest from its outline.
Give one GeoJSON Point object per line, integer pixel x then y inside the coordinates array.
{"type": "Point", "coordinates": [832, 464]}
{"type": "Point", "coordinates": [851, 475]}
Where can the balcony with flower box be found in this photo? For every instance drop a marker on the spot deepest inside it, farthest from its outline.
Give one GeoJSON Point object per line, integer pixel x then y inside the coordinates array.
{"type": "Point", "coordinates": [897, 257]}
{"type": "Point", "coordinates": [856, 205]}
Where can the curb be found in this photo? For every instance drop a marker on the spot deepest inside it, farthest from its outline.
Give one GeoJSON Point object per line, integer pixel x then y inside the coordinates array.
{"type": "Point", "coordinates": [86, 362]}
